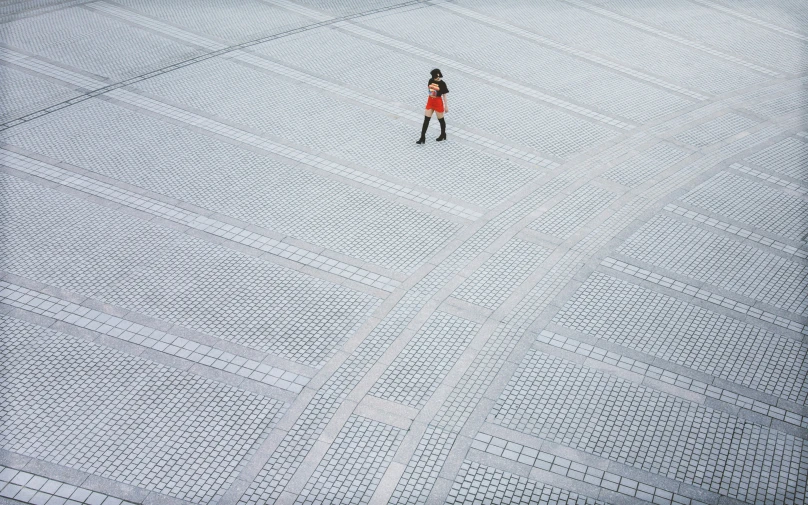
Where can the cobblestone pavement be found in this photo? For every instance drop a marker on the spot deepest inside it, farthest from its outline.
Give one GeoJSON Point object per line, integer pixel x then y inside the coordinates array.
{"type": "Point", "coordinates": [229, 276]}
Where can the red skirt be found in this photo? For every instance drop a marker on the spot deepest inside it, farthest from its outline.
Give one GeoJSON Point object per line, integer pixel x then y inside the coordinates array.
{"type": "Point", "coordinates": [435, 103]}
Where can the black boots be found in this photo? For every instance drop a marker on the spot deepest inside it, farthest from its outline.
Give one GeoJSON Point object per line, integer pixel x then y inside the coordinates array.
{"type": "Point", "coordinates": [422, 140]}
{"type": "Point", "coordinates": [442, 130]}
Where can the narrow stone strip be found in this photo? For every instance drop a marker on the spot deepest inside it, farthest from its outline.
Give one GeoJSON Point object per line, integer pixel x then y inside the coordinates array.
{"type": "Point", "coordinates": [27, 487]}
{"type": "Point", "coordinates": [705, 295]}
{"type": "Point", "coordinates": [153, 24]}
{"type": "Point", "coordinates": [797, 188]}
{"type": "Point", "coordinates": [178, 215]}
{"type": "Point", "coordinates": [668, 377]}
{"type": "Point", "coordinates": [670, 36]}
{"type": "Point", "coordinates": [150, 338]}
{"type": "Point", "coordinates": [730, 228]}
{"type": "Point", "coordinates": [561, 466]}
{"type": "Point", "coordinates": [759, 22]}
{"type": "Point", "coordinates": [50, 70]}
{"type": "Point", "coordinates": [239, 135]}
{"type": "Point", "coordinates": [642, 76]}
{"type": "Point", "coordinates": [446, 62]}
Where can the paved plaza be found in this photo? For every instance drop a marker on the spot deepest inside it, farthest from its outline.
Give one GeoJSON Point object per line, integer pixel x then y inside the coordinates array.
{"type": "Point", "coordinates": [229, 276]}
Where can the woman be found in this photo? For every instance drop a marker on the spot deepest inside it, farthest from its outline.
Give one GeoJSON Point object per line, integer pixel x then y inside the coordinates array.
{"type": "Point", "coordinates": [435, 103]}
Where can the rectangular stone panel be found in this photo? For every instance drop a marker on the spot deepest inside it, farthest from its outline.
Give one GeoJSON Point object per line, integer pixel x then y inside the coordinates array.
{"type": "Point", "coordinates": [599, 413]}
{"type": "Point", "coordinates": [419, 369]}
{"type": "Point", "coordinates": [716, 260]}
{"type": "Point", "coordinates": [754, 203]}
{"type": "Point", "coordinates": [101, 411]}
{"type": "Point", "coordinates": [688, 335]}
{"type": "Point", "coordinates": [172, 161]}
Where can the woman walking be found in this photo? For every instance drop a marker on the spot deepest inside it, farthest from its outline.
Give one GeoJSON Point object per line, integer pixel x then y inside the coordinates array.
{"type": "Point", "coordinates": [435, 103]}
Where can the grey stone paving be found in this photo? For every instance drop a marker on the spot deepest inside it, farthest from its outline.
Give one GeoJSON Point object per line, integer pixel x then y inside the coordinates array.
{"type": "Point", "coordinates": [229, 276]}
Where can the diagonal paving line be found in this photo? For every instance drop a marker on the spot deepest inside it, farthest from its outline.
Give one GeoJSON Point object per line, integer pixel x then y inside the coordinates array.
{"type": "Point", "coordinates": [642, 76]}
{"type": "Point", "coordinates": [447, 62]}
{"type": "Point", "coordinates": [263, 63]}
{"type": "Point", "coordinates": [239, 135]}
{"type": "Point", "coordinates": [143, 335]}
{"type": "Point", "coordinates": [670, 36]}
{"type": "Point", "coordinates": [179, 215]}
{"type": "Point", "coordinates": [760, 22]}
{"type": "Point", "coordinates": [148, 75]}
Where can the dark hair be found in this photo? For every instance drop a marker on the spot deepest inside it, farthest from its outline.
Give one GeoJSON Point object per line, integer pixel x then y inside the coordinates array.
{"type": "Point", "coordinates": [436, 72]}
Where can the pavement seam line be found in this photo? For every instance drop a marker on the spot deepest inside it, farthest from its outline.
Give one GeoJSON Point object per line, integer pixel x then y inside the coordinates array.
{"type": "Point", "coordinates": [193, 220]}
{"type": "Point", "coordinates": [164, 342]}
{"type": "Point", "coordinates": [509, 27]}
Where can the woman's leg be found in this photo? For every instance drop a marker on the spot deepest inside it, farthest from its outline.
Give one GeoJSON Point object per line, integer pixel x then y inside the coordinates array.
{"type": "Point", "coordinates": [442, 127]}
{"type": "Point", "coordinates": [427, 117]}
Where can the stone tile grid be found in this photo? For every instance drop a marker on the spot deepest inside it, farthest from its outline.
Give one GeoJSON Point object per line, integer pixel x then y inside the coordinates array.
{"type": "Point", "coordinates": [715, 130]}
{"type": "Point", "coordinates": [104, 46]}
{"type": "Point", "coordinates": [582, 205]}
{"type": "Point", "coordinates": [703, 294]}
{"type": "Point", "coordinates": [676, 331]}
{"type": "Point", "coordinates": [491, 284]}
{"type": "Point", "coordinates": [788, 157]}
{"type": "Point", "coordinates": [781, 105]}
{"type": "Point", "coordinates": [561, 75]}
{"type": "Point", "coordinates": [422, 471]}
{"type": "Point", "coordinates": [599, 237]}
{"type": "Point", "coordinates": [129, 331]}
{"type": "Point", "coordinates": [398, 111]}
{"type": "Point", "coordinates": [751, 19]}
{"type": "Point", "coordinates": [320, 83]}
{"type": "Point", "coordinates": [27, 487]}
{"type": "Point", "coordinates": [24, 93]}
{"type": "Point", "coordinates": [58, 391]}
{"type": "Point", "coordinates": [354, 464]}
{"type": "Point", "coordinates": [748, 201]}
{"type": "Point", "coordinates": [691, 171]}
{"type": "Point", "coordinates": [562, 466]}
{"type": "Point", "coordinates": [674, 37]}
{"type": "Point", "coordinates": [721, 261]}
{"type": "Point", "coordinates": [31, 300]}
{"type": "Point", "coordinates": [570, 404]}
{"type": "Point", "coordinates": [716, 29]}
{"type": "Point", "coordinates": [672, 378]}
{"type": "Point", "coordinates": [50, 70]}
{"type": "Point", "coordinates": [176, 214]}
{"type": "Point", "coordinates": [798, 188]}
{"type": "Point", "coordinates": [426, 360]}
{"type": "Point", "coordinates": [155, 25]}
{"type": "Point", "coordinates": [645, 165]}
{"type": "Point", "coordinates": [735, 230]}
{"type": "Point", "coordinates": [289, 152]}
{"type": "Point", "coordinates": [162, 273]}
{"type": "Point", "coordinates": [476, 483]}
{"type": "Point", "coordinates": [295, 446]}
{"type": "Point", "coordinates": [642, 76]}
{"type": "Point", "coordinates": [493, 79]}
{"type": "Point", "coordinates": [485, 108]}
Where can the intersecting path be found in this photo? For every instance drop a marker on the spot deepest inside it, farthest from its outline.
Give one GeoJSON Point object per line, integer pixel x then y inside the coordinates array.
{"type": "Point", "coordinates": [229, 276]}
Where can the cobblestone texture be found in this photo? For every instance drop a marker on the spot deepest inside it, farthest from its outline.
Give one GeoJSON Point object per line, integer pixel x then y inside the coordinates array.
{"type": "Point", "coordinates": [228, 275]}
{"type": "Point", "coordinates": [720, 261]}
{"type": "Point", "coordinates": [638, 426]}
{"type": "Point", "coordinates": [60, 391]}
{"type": "Point", "coordinates": [686, 334]}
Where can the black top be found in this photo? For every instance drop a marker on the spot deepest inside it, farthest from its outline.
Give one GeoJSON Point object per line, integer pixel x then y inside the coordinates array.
{"type": "Point", "coordinates": [443, 89]}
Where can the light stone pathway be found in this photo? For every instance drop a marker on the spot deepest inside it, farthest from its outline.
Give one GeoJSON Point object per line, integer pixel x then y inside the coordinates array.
{"type": "Point", "coordinates": [229, 276]}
